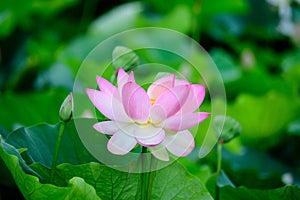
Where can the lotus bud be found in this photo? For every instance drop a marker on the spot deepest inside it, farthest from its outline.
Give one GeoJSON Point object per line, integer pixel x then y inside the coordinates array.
{"type": "Point", "coordinates": [231, 128]}
{"type": "Point", "coordinates": [66, 109]}
{"type": "Point", "coordinates": [125, 58]}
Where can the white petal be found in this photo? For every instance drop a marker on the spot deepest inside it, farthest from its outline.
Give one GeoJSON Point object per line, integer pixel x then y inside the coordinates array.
{"type": "Point", "coordinates": [109, 127]}
{"type": "Point", "coordinates": [179, 144]}
{"type": "Point", "coordinates": [157, 114]}
{"type": "Point", "coordinates": [121, 143]}
{"type": "Point", "coordinates": [160, 152]}
{"type": "Point", "coordinates": [148, 135]}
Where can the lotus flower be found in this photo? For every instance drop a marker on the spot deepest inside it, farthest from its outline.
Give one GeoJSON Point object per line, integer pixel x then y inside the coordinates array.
{"type": "Point", "coordinates": [158, 119]}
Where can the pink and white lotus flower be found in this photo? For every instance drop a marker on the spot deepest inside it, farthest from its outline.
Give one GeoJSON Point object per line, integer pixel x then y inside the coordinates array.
{"type": "Point", "coordinates": [158, 119]}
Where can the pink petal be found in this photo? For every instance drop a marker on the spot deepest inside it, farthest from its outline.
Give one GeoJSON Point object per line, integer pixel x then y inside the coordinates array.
{"type": "Point", "coordinates": [179, 144]}
{"type": "Point", "coordinates": [172, 100]}
{"type": "Point", "coordinates": [122, 78]}
{"type": "Point", "coordinates": [105, 85]}
{"type": "Point", "coordinates": [185, 121]}
{"type": "Point", "coordinates": [108, 105]}
{"type": "Point", "coordinates": [131, 77]}
{"type": "Point", "coordinates": [160, 86]}
{"type": "Point", "coordinates": [109, 127]}
{"type": "Point", "coordinates": [181, 82]}
{"type": "Point", "coordinates": [121, 74]}
{"type": "Point", "coordinates": [149, 135]}
{"type": "Point", "coordinates": [121, 143]}
{"type": "Point", "coordinates": [136, 102]}
{"type": "Point", "coordinates": [160, 152]}
{"type": "Point", "coordinates": [194, 99]}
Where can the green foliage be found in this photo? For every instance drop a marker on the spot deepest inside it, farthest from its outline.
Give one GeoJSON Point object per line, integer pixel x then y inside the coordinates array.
{"type": "Point", "coordinates": [83, 179]}
{"type": "Point", "coordinates": [263, 117]}
{"type": "Point", "coordinates": [172, 182]}
{"type": "Point", "coordinates": [30, 186]}
{"type": "Point", "coordinates": [284, 193]}
{"type": "Point", "coordinates": [14, 14]}
{"type": "Point", "coordinates": [40, 140]}
{"type": "Point", "coordinates": [43, 44]}
{"type": "Point", "coordinates": [19, 110]}
{"type": "Point", "coordinates": [226, 64]}
{"type": "Point", "coordinates": [248, 168]}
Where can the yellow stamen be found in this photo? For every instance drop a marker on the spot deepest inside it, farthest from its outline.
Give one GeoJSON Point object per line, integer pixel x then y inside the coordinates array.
{"type": "Point", "coordinates": [152, 101]}
{"type": "Point", "coordinates": [144, 124]}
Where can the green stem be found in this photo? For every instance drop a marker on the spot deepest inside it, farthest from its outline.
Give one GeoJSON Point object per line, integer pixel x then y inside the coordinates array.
{"type": "Point", "coordinates": [147, 175]}
{"type": "Point", "coordinates": [55, 156]}
{"type": "Point", "coordinates": [219, 162]}
{"type": "Point", "coordinates": [219, 167]}
{"type": "Point", "coordinates": [151, 177]}
{"type": "Point", "coordinates": [144, 175]}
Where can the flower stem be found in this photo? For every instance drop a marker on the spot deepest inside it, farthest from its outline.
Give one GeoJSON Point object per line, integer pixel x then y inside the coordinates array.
{"type": "Point", "coordinates": [219, 166]}
{"type": "Point", "coordinates": [219, 161]}
{"type": "Point", "coordinates": [147, 175]}
{"type": "Point", "coordinates": [55, 156]}
{"type": "Point", "coordinates": [151, 177]}
{"type": "Point", "coordinates": [144, 174]}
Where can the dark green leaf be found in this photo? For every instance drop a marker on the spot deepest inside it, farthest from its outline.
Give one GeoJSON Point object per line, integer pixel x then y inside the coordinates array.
{"type": "Point", "coordinates": [249, 169]}
{"type": "Point", "coordinates": [30, 186]}
{"type": "Point", "coordinates": [223, 180]}
{"type": "Point", "coordinates": [40, 142]}
{"type": "Point", "coordinates": [283, 193]}
{"type": "Point", "coordinates": [172, 182]}
{"type": "Point", "coordinates": [229, 69]}
{"type": "Point", "coordinates": [294, 127]}
{"type": "Point", "coordinates": [27, 109]}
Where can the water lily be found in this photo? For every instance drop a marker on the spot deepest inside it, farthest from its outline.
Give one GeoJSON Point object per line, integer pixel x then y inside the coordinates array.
{"type": "Point", "coordinates": [158, 118]}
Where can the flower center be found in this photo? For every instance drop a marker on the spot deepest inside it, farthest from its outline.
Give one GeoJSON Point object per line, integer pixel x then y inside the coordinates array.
{"type": "Point", "coordinates": [149, 122]}
{"type": "Point", "coordinates": [152, 101]}
{"type": "Point", "coordinates": [143, 124]}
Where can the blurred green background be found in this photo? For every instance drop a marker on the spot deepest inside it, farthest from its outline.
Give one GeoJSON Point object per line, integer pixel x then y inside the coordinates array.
{"type": "Point", "coordinates": [254, 43]}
